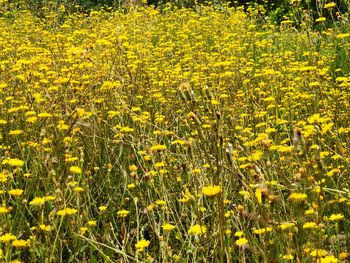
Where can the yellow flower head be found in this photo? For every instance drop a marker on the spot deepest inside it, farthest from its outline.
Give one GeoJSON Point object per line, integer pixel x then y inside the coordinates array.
{"type": "Point", "coordinates": [92, 223]}
{"type": "Point", "coordinates": [37, 201]}
{"type": "Point", "coordinates": [133, 168]}
{"type": "Point", "coordinates": [168, 227]}
{"type": "Point", "coordinates": [211, 190]}
{"type": "Point", "coordinates": [78, 189]}
{"type": "Point", "coordinates": [45, 228]}
{"type": "Point", "coordinates": [142, 245]}
{"type": "Point", "coordinates": [75, 169]}
{"type": "Point", "coordinates": [20, 243]}
{"type": "Point", "coordinates": [262, 230]}
{"type": "Point", "coordinates": [131, 186]}
{"type": "Point", "coordinates": [83, 230]}
{"type": "Point", "coordinates": [241, 242]}
{"type": "Point", "coordinates": [336, 217]}
{"type": "Point", "coordinates": [310, 225]}
{"type": "Point", "coordinates": [67, 211]}
{"type": "Point", "coordinates": [13, 162]}
{"type": "Point", "coordinates": [102, 208]}
{"type": "Point", "coordinates": [297, 197]}
{"type": "Point", "coordinates": [320, 19]}
{"type": "Point", "coordinates": [197, 229]}
{"type": "Point", "coordinates": [8, 237]}
{"type": "Point", "coordinates": [15, 192]}
{"type": "Point", "coordinates": [4, 210]}
{"type": "Point", "coordinates": [123, 213]}
{"type": "Point", "coordinates": [329, 5]}
{"type": "Point", "coordinates": [158, 147]}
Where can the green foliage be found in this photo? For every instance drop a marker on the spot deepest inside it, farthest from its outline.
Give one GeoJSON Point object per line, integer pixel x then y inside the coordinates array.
{"type": "Point", "coordinates": [274, 10]}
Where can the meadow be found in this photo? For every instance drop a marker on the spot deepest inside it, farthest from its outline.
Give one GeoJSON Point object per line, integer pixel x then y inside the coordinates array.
{"type": "Point", "coordinates": [175, 135]}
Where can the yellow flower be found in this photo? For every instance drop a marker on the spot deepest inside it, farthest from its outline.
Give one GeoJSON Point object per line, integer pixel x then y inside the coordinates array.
{"type": "Point", "coordinates": [158, 147]}
{"type": "Point", "coordinates": [241, 242]}
{"type": "Point", "coordinates": [310, 225]}
{"type": "Point", "coordinates": [4, 210]}
{"type": "Point", "coordinates": [197, 229]}
{"type": "Point", "coordinates": [211, 190]}
{"type": "Point", "coordinates": [310, 211]}
{"type": "Point", "coordinates": [161, 202]}
{"type": "Point", "coordinates": [131, 186]}
{"type": "Point", "coordinates": [37, 201]}
{"type": "Point", "coordinates": [315, 118]}
{"type": "Point", "coordinates": [44, 115]}
{"type": "Point", "coordinates": [297, 197]}
{"type": "Point", "coordinates": [109, 85]}
{"type": "Point", "coordinates": [327, 127]}
{"type": "Point", "coordinates": [317, 253]}
{"type": "Point", "coordinates": [91, 223]}
{"type": "Point", "coordinates": [336, 217]}
{"type": "Point", "coordinates": [288, 257]}
{"type": "Point", "coordinates": [15, 192]}
{"type": "Point", "coordinates": [186, 197]}
{"type": "Point", "coordinates": [286, 225]}
{"type": "Point", "coordinates": [123, 213]}
{"type": "Point", "coordinates": [126, 129]}
{"type": "Point", "coordinates": [45, 228]}
{"type": "Point", "coordinates": [83, 230]}
{"type": "Point", "coordinates": [141, 245]}
{"type": "Point", "coordinates": [180, 142]}
{"type": "Point", "coordinates": [67, 211]}
{"type": "Point", "coordinates": [320, 19]}
{"type": "Point", "coordinates": [329, 259]}
{"type": "Point", "coordinates": [15, 132]}
{"type": "Point", "coordinates": [258, 195]}
{"type": "Point", "coordinates": [20, 243]}
{"type": "Point", "coordinates": [159, 164]}
{"type": "Point", "coordinates": [257, 155]}
{"type": "Point", "coordinates": [3, 177]}
{"type": "Point", "coordinates": [168, 227]}
{"type": "Point", "coordinates": [62, 126]}
{"type": "Point", "coordinates": [13, 162]}
{"type": "Point", "coordinates": [75, 169]}
{"type": "Point", "coordinates": [329, 5]}
{"type": "Point", "coordinates": [342, 36]}
{"type": "Point", "coordinates": [133, 168]}
{"type": "Point", "coordinates": [78, 189]}
{"type": "Point", "coordinates": [262, 230]}
{"type": "Point", "coordinates": [150, 207]}
{"type": "Point", "coordinates": [49, 198]}
{"type": "Point", "coordinates": [102, 208]}
{"type": "Point", "coordinates": [238, 234]}
{"type": "Point", "coordinates": [8, 237]}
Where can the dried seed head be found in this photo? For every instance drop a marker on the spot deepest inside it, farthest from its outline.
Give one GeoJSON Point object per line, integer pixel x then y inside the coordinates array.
{"type": "Point", "coordinates": [296, 138]}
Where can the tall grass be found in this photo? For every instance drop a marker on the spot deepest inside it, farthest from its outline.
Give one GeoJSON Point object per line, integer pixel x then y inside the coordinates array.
{"type": "Point", "coordinates": [177, 136]}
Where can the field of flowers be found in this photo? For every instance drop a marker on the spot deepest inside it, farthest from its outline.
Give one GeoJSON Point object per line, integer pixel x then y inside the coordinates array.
{"type": "Point", "coordinates": [205, 135]}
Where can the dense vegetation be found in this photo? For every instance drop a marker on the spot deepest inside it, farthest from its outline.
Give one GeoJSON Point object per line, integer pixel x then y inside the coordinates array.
{"type": "Point", "coordinates": [201, 134]}
{"type": "Point", "coordinates": [276, 10]}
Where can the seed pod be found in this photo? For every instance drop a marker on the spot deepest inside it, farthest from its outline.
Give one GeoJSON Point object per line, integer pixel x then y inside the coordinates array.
{"type": "Point", "coordinates": [229, 153]}
{"type": "Point", "coordinates": [296, 139]}
{"type": "Point", "coordinates": [192, 96]}
{"type": "Point", "coordinates": [184, 91]}
{"type": "Point", "coordinates": [208, 92]}
{"type": "Point", "coordinates": [183, 95]}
